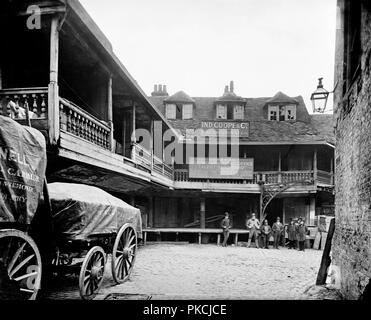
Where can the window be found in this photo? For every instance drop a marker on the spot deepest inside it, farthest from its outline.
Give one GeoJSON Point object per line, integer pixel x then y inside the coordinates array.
{"type": "Point", "coordinates": [273, 113]}
{"type": "Point", "coordinates": [291, 112]}
{"type": "Point", "coordinates": [170, 111]}
{"type": "Point", "coordinates": [238, 112]}
{"type": "Point", "coordinates": [221, 111]}
{"type": "Point", "coordinates": [187, 111]}
{"type": "Point", "coordinates": [352, 36]}
{"type": "Point", "coordinates": [282, 113]}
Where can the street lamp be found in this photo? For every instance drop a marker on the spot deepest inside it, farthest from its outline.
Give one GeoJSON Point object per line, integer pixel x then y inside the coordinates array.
{"type": "Point", "coordinates": [319, 98]}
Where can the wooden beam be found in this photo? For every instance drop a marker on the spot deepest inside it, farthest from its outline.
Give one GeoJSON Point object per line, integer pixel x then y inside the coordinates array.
{"type": "Point", "coordinates": [53, 90]}
{"type": "Point", "coordinates": [110, 111]}
{"type": "Point", "coordinates": [202, 213]}
{"type": "Point", "coordinates": [326, 260]}
{"type": "Point", "coordinates": [315, 165]}
{"type": "Point", "coordinates": [150, 212]}
{"type": "Point", "coordinates": [133, 139]}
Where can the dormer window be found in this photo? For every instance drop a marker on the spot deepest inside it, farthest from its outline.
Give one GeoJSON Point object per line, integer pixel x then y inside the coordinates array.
{"type": "Point", "coordinates": [291, 112]}
{"type": "Point", "coordinates": [282, 112]}
{"type": "Point", "coordinates": [238, 112]}
{"type": "Point", "coordinates": [221, 111]}
{"type": "Point", "coordinates": [170, 111]}
{"type": "Point", "coordinates": [187, 111]}
{"type": "Point", "coordinates": [179, 111]}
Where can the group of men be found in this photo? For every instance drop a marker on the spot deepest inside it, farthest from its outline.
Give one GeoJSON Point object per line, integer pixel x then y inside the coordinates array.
{"type": "Point", "coordinates": [296, 232]}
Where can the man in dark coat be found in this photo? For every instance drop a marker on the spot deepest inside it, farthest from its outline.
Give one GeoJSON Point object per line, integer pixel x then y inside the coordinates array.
{"type": "Point", "coordinates": [301, 233]}
{"type": "Point", "coordinates": [266, 233]}
{"type": "Point", "coordinates": [291, 233]}
{"type": "Point", "coordinates": [226, 226]}
{"type": "Point", "coordinates": [277, 230]}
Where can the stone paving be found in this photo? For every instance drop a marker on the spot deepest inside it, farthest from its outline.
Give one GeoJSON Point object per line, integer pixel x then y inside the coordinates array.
{"type": "Point", "coordinates": [171, 271]}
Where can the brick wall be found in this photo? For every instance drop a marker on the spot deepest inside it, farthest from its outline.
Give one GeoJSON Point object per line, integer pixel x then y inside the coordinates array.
{"type": "Point", "coordinates": [352, 239]}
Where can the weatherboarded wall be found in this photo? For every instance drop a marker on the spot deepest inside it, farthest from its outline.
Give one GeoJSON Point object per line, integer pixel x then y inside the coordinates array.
{"type": "Point", "coordinates": [352, 239]}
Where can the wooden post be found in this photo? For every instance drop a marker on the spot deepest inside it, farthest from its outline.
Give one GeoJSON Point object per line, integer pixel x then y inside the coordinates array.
{"type": "Point", "coordinates": [110, 112]}
{"type": "Point", "coordinates": [1, 79]}
{"type": "Point", "coordinates": [150, 212]}
{"type": "Point", "coordinates": [152, 145]}
{"type": "Point", "coordinates": [312, 210]}
{"type": "Point", "coordinates": [53, 90]}
{"type": "Point", "coordinates": [279, 168]}
{"type": "Point", "coordinates": [326, 260]}
{"type": "Point", "coordinates": [132, 137]}
{"type": "Point", "coordinates": [202, 213]}
{"type": "Point", "coordinates": [332, 170]}
{"type": "Point", "coordinates": [124, 135]}
{"type": "Point", "coordinates": [315, 166]}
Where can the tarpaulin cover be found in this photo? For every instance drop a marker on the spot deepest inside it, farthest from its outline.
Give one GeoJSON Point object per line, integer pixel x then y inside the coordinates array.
{"type": "Point", "coordinates": [22, 171]}
{"type": "Point", "coordinates": [80, 211]}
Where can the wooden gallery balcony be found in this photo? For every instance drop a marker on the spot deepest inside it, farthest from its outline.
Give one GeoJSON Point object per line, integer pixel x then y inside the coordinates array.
{"type": "Point", "coordinates": [83, 136]}
{"type": "Point", "coordinates": [305, 180]}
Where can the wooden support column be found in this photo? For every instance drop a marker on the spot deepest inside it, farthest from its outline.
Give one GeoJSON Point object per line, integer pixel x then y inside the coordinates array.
{"type": "Point", "coordinates": [150, 212]}
{"type": "Point", "coordinates": [53, 90]}
{"type": "Point", "coordinates": [315, 165]}
{"type": "Point", "coordinates": [133, 137]}
{"type": "Point", "coordinates": [1, 79]}
{"type": "Point", "coordinates": [332, 170]}
{"type": "Point", "coordinates": [279, 167]}
{"type": "Point", "coordinates": [152, 144]}
{"type": "Point", "coordinates": [110, 112]}
{"type": "Point", "coordinates": [124, 124]}
{"type": "Point", "coordinates": [312, 210]}
{"type": "Point", "coordinates": [202, 213]}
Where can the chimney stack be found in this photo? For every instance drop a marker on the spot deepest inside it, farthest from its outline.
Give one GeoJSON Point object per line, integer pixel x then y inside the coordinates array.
{"type": "Point", "coordinates": [231, 87]}
{"type": "Point", "coordinates": [159, 91]}
{"type": "Point", "coordinates": [226, 89]}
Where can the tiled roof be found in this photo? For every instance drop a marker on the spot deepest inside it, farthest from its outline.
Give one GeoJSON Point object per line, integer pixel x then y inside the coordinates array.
{"type": "Point", "coordinates": [280, 97]}
{"type": "Point", "coordinates": [306, 129]}
{"type": "Point", "coordinates": [180, 96]}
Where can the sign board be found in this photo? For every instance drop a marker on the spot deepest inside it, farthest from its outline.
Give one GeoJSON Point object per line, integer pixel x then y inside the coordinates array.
{"type": "Point", "coordinates": [243, 128]}
{"type": "Point", "coordinates": [225, 168]}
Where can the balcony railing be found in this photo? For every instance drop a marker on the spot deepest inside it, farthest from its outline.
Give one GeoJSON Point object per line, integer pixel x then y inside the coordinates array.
{"type": "Point", "coordinates": [14, 103]}
{"type": "Point", "coordinates": [269, 177]}
{"type": "Point", "coordinates": [162, 168]}
{"type": "Point", "coordinates": [80, 123]}
{"type": "Point", "coordinates": [142, 156]}
{"type": "Point", "coordinates": [325, 177]}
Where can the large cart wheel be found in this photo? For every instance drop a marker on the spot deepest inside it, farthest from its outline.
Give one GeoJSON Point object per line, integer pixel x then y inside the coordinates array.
{"type": "Point", "coordinates": [124, 253]}
{"type": "Point", "coordinates": [91, 273]}
{"type": "Point", "coordinates": [20, 260]}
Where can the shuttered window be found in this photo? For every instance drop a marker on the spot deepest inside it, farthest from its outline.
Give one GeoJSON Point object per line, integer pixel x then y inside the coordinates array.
{"type": "Point", "coordinates": [238, 112]}
{"type": "Point", "coordinates": [170, 111]}
{"type": "Point", "coordinates": [221, 111]}
{"type": "Point", "coordinates": [187, 111]}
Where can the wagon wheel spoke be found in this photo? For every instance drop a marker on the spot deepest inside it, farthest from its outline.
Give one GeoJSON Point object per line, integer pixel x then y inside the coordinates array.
{"type": "Point", "coordinates": [15, 257]}
{"type": "Point", "coordinates": [27, 275]}
{"type": "Point", "coordinates": [21, 265]}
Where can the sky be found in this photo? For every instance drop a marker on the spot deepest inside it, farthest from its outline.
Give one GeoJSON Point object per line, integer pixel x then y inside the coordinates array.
{"type": "Point", "coordinates": [198, 46]}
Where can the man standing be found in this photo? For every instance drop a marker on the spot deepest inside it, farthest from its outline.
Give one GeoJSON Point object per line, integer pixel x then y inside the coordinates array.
{"type": "Point", "coordinates": [277, 230]}
{"type": "Point", "coordinates": [291, 233]}
{"type": "Point", "coordinates": [226, 225]}
{"type": "Point", "coordinates": [253, 225]}
{"type": "Point", "coordinates": [301, 232]}
{"type": "Point", "coordinates": [266, 232]}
